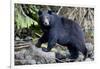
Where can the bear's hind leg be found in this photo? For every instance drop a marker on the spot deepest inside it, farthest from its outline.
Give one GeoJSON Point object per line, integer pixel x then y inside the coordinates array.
{"type": "Point", "coordinates": [83, 50]}
{"type": "Point", "coordinates": [73, 53]}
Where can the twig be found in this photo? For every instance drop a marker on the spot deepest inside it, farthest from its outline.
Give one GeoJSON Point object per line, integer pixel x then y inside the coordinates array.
{"type": "Point", "coordinates": [21, 47]}
{"type": "Point", "coordinates": [37, 35]}
{"type": "Point", "coordinates": [59, 10]}
{"type": "Point", "coordinates": [72, 12]}
{"type": "Point", "coordinates": [21, 44]}
{"type": "Point", "coordinates": [82, 18]}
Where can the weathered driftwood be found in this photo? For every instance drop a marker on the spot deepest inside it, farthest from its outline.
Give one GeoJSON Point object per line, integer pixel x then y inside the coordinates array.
{"type": "Point", "coordinates": [25, 54]}
{"type": "Point", "coordinates": [39, 52]}
{"type": "Point", "coordinates": [28, 53]}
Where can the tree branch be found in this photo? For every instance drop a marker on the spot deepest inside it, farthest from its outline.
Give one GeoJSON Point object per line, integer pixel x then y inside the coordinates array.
{"type": "Point", "coordinates": [59, 10]}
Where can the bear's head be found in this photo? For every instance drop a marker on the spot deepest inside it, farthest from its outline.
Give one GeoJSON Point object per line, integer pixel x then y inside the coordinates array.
{"type": "Point", "coordinates": [45, 17]}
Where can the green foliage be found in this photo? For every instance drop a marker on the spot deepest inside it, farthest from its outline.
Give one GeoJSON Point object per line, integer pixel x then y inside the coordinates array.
{"type": "Point", "coordinates": [22, 20]}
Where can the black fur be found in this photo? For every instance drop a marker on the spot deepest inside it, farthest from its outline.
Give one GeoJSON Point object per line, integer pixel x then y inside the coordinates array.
{"type": "Point", "coordinates": [62, 31]}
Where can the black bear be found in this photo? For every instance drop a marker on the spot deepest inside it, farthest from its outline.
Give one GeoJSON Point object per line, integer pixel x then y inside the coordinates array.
{"type": "Point", "coordinates": [57, 29]}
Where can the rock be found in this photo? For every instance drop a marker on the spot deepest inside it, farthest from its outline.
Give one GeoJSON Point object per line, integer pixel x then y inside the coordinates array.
{"type": "Point", "coordinates": [17, 38]}
{"type": "Point", "coordinates": [19, 55]}
{"type": "Point", "coordinates": [80, 57]}
{"type": "Point", "coordinates": [28, 57]}
{"type": "Point", "coordinates": [32, 61]}
{"type": "Point", "coordinates": [88, 59]}
{"type": "Point", "coordinates": [90, 48]}
{"type": "Point", "coordinates": [38, 62]}
{"type": "Point", "coordinates": [23, 62]}
{"type": "Point", "coordinates": [28, 38]}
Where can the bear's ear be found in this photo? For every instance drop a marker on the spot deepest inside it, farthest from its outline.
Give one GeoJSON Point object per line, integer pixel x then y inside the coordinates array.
{"type": "Point", "coordinates": [49, 11]}
{"type": "Point", "coordinates": [39, 12]}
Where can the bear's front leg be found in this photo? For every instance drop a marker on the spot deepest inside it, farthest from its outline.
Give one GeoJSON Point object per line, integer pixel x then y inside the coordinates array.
{"type": "Point", "coordinates": [51, 44]}
{"type": "Point", "coordinates": [38, 44]}
{"type": "Point", "coordinates": [43, 39]}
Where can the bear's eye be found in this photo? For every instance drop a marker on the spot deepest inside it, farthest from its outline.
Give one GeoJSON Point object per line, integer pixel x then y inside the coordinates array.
{"type": "Point", "coordinates": [46, 17]}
